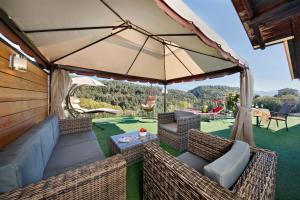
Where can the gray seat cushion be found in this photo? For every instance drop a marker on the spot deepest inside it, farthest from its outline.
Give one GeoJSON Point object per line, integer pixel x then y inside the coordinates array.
{"type": "Point", "coordinates": [229, 167]}
{"type": "Point", "coordinates": [73, 151]}
{"type": "Point", "coordinates": [193, 160]}
{"type": "Point", "coordinates": [171, 127]}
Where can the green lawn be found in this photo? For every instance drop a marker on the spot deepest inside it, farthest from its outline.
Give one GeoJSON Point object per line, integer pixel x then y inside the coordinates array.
{"type": "Point", "coordinates": [286, 144]}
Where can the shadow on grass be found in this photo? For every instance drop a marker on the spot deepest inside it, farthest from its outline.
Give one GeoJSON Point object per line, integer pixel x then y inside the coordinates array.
{"type": "Point", "coordinates": [107, 129]}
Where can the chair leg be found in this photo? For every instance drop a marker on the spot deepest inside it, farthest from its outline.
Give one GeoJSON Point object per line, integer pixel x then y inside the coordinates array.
{"type": "Point", "coordinates": [277, 123]}
{"type": "Point", "coordinates": [269, 124]}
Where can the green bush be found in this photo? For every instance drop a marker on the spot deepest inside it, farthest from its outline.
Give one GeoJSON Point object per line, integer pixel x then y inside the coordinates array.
{"type": "Point", "coordinates": [271, 103]}
{"type": "Point", "coordinates": [92, 104]}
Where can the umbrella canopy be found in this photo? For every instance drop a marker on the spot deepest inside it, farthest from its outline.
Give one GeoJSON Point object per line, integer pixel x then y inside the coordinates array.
{"type": "Point", "coordinates": [160, 41]}
{"type": "Point", "coordinates": [86, 81]}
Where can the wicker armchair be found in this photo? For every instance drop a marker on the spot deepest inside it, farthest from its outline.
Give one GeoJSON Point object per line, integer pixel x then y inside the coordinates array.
{"type": "Point", "coordinates": [165, 177]}
{"type": "Point", "coordinates": [178, 137]}
{"type": "Point", "coordinates": [105, 179]}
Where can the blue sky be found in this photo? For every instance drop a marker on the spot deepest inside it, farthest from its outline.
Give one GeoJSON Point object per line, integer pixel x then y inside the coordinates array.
{"type": "Point", "coordinates": [269, 66]}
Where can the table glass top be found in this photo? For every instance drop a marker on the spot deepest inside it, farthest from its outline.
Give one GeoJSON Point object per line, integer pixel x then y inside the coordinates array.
{"type": "Point", "coordinates": [136, 139]}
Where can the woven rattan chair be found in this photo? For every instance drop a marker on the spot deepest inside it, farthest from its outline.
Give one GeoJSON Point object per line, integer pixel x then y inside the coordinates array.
{"type": "Point", "coordinates": [101, 180]}
{"type": "Point", "coordinates": [175, 131]}
{"type": "Point", "coordinates": [165, 177]}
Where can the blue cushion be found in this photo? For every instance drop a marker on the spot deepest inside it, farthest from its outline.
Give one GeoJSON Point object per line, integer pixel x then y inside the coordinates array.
{"type": "Point", "coordinates": [229, 167]}
{"type": "Point", "coordinates": [55, 128]}
{"type": "Point", "coordinates": [44, 130]}
{"type": "Point", "coordinates": [21, 163]}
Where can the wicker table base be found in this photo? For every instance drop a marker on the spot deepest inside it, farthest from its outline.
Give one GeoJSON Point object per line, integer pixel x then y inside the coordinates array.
{"type": "Point", "coordinates": [132, 151]}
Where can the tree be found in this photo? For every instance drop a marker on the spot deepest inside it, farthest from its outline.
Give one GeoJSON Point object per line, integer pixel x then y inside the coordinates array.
{"type": "Point", "coordinates": [232, 102]}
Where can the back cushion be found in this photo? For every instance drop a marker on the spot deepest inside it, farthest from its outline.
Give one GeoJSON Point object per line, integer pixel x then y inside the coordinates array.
{"type": "Point", "coordinates": [23, 161]}
{"type": "Point", "coordinates": [178, 114]}
{"type": "Point", "coordinates": [45, 131]}
{"type": "Point", "coordinates": [229, 167]}
{"type": "Point", "coordinates": [55, 128]}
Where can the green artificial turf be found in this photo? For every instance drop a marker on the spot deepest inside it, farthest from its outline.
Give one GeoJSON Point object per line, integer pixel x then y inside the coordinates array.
{"type": "Point", "coordinates": [286, 144]}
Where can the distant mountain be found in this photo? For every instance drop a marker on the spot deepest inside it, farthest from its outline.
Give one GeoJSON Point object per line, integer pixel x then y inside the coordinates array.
{"type": "Point", "coordinates": [266, 93]}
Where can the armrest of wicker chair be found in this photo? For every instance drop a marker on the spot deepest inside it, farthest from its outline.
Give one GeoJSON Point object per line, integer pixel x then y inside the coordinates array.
{"type": "Point", "coordinates": [69, 126]}
{"type": "Point", "coordinates": [188, 122]}
{"type": "Point", "coordinates": [100, 180]}
{"type": "Point", "coordinates": [180, 181]}
{"type": "Point", "coordinates": [176, 180]}
{"type": "Point", "coordinates": [165, 118]}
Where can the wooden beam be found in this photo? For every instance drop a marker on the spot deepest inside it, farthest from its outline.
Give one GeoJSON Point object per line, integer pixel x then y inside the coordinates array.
{"type": "Point", "coordinates": [294, 47]}
{"type": "Point", "coordinates": [277, 14]}
{"type": "Point", "coordinates": [257, 32]}
{"type": "Point", "coordinates": [244, 9]}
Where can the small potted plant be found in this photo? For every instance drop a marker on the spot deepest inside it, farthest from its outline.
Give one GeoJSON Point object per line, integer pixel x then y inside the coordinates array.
{"type": "Point", "coordinates": [143, 132]}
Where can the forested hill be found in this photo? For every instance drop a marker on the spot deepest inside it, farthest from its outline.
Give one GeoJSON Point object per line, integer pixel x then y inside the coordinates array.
{"type": "Point", "coordinates": [129, 96]}
{"type": "Point", "coordinates": [213, 92]}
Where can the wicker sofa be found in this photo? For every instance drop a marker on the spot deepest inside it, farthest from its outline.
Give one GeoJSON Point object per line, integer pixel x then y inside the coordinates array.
{"type": "Point", "coordinates": [60, 159]}
{"type": "Point", "coordinates": [165, 177]}
{"type": "Point", "coordinates": [173, 127]}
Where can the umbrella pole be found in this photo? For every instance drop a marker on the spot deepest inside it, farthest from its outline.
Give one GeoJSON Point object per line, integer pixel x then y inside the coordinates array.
{"type": "Point", "coordinates": [165, 98]}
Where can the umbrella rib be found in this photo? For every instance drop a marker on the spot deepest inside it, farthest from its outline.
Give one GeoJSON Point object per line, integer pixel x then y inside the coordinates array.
{"type": "Point", "coordinates": [159, 39]}
{"type": "Point", "coordinates": [198, 52]}
{"type": "Point", "coordinates": [140, 50]}
{"type": "Point", "coordinates": [112, 10]}
{"type": "Point", "coordinates": [176, 34]}
{"type": "Point", "coordinates": [86, 46]}
{"type": "Point", "coordinates": [73, 29]}
{"type": "Point", "coordinates": [179, 60]}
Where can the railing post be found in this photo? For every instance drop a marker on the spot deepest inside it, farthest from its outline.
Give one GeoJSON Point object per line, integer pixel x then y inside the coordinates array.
{"type": "Point", "coordinates": [165, 98]}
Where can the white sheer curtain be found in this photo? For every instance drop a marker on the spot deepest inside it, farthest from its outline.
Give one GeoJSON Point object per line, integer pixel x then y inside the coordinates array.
{"type": "Point", "coordinates": [242, 129]}
{"type": "Point", "coordinates": [60, 85]}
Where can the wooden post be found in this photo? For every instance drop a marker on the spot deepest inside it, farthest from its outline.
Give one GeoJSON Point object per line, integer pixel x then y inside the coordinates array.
{"type": "Point", "coordinates": [165, 98]}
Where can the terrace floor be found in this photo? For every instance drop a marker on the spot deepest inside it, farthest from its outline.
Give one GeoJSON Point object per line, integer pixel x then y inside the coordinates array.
{"type": "Point", "coordinates": [286, 144]}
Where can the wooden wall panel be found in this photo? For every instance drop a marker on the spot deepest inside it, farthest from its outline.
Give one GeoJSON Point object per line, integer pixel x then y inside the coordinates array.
{"type": "Point", "coordinates": [23, 98]}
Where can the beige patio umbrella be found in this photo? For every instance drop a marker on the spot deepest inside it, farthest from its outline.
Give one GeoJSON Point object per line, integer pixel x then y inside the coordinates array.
{"type": "Point", "coordinates": [158, 41]}
{"type": "Point", "coordinates": [86, 81]}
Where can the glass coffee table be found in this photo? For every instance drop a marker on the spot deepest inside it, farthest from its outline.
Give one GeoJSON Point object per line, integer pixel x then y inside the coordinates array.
{"type": "Point", "coordinates": [132, 151]}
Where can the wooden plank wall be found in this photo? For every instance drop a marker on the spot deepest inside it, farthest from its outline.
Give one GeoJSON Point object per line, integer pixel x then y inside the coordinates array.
{"type": "Point", "coordinates": [23, 98]}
